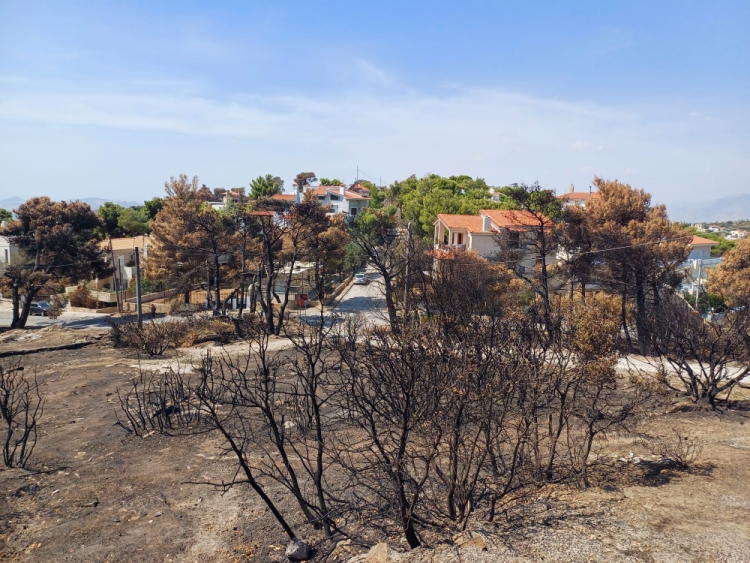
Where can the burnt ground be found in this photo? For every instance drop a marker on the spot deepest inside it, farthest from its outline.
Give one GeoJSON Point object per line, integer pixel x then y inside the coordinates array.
{"type": "Point", "coordinates": [99, 494]}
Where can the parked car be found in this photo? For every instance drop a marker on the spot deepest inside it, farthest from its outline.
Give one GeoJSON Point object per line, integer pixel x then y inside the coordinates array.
{"type": "Point", "coordinates": [360, 279]}
{"type": "Point", "coordinates": [39, 308]}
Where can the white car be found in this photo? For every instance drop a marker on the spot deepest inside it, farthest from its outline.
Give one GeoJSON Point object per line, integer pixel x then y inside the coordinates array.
{"type": "Point", "coordinates": [360, 279]}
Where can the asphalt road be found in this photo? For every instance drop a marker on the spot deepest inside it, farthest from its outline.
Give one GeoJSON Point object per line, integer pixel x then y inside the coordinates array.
{"type": "Point", "coordinates": [70, 320]}
{"type": "Point", "coordinates": [367, 300]}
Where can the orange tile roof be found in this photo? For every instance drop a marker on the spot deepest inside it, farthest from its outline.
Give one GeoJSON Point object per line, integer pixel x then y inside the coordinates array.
{"type": "Point", "coordinates": [580, 195]}
{"type": "Point", "coordinates": [508, 218]}
{"type": "Point", "coordinates": [471, 223]}
{"type": "Point", "coordinates": [128, 243]}
{"type": "Point", "coordinates": [700, 240]}
{"type": "Point", "coordinates": [284, 197]}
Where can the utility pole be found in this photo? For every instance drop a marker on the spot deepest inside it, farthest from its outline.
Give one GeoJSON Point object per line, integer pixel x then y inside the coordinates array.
{"type": "Point", "coordinates": [208, 286]}
{"type": "Point", "coordinates": [408, 261]}
{"type": "Point", "coordinates": [698, 284]}
{"type": "Point", "coordinates": [138, 303]}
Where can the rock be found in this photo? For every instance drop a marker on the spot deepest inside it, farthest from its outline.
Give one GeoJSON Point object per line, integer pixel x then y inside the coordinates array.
{"type": "Point", "coordinates": [297, 550]}
{"type": "Point", "coordinates": [476, 542]}
{"type": "Point", "coordinates": [381, 553]}
{"type": "Point", "coordinates": [158, 514]}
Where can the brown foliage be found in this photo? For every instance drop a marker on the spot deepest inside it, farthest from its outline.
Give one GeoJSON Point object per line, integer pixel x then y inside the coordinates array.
{"type": "Point", "coordinates": [81, 297]}
{"type": "Point", "coordinates": [731, 279]}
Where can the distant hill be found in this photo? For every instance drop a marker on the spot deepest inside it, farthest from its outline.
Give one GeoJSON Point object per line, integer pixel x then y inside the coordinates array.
{"type": "Point", "coordinates": [95, 202]}
{"type": "Point", "coordinates": [730, 208]}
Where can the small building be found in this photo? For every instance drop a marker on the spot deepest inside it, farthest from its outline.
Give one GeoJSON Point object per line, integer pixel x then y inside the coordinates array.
{"type": "Point", "coordinates": [700, 248]}
{"type": "Point", "coordinates": [578, 198]}
{"type": "Point", "coordinates": [350, 201]}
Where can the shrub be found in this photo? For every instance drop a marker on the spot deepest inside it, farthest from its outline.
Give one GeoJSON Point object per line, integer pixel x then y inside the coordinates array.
{"type": "Point", "coordinates": [56, 305]}
{"type": "Point", "coordinates": [152, 338]}
{"type": "Point", "coordinates": [676, 447]}
{"type": "Point", "coordinates": [81, 297]}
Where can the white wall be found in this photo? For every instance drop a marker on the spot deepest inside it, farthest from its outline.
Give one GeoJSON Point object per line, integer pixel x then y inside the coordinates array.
{"type": "Point", "coordinates": [483, 244]}
{"type": "Point", "coordinates": [10, 251]}
{"type": "Point", "coordinates": [702, 252]}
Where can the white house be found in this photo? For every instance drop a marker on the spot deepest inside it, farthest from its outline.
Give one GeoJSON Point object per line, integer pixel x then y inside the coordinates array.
{"type": "Point", "coordinates": [227, 196]}
{"type": "Point", "coordinates": [578, 198]}
{"type": "Point", "coordinates": [700, 248]}
{"type": "Point", "coordinates": [351, 201]}
{"type": "Point", "coordinates": [9, 254]}
{"type": "Point", "coordinates": [487, 232]}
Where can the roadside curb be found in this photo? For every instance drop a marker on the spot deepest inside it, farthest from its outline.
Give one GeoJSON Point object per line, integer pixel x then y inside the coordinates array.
{"type": "Point", "coordinates": [341, 295]}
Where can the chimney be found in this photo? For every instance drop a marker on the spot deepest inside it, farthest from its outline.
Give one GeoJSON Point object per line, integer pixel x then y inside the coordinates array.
{"type": "Point", "coordinates": [342, 189]}
{"type": "Point", "coordinates": [572, 189]}
{"type": "Point", "coordinates": [486, 224]}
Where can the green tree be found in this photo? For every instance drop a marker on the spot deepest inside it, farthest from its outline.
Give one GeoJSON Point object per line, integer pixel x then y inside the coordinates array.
{"type": "Point", "coordinates": [421, 200]}
{"type": "Point", "coordinates": [266, 186]}
{"type": "Point", "coordinates": [5, 215]}
{"type": "Point", "coordinates": [58, 243]}
{"type": "Point", "coordinates": [110, 215]}
{"type": "Point", "coordinates": [153, 206]}
{"type": "Point", "coordinates": [133, 221]}
{"type": "Point", "coordinates": [330, 182]}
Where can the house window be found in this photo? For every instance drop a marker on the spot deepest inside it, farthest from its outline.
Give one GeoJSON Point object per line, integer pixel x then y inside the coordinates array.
{"type": "Point", "coordinates": [459, 238]}
{"type": "Point", "coordinates": [514, 239]}
{"type": "Point", "coordinates": [353, 211]}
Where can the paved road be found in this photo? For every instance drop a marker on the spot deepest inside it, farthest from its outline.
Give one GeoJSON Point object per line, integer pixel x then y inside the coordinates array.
{"type": "Point", "coordinates": [70, 320]}
{"type": "Point", "coordinates": [368, 300]}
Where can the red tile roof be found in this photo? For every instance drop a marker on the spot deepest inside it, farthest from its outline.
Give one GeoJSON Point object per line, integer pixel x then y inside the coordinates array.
{"type": "Point", "coordinates": [470, 223]}
{"type": "Point", "coordinates": [696, 240]}
{"type": "Point", "coordinates": [284, 197]}
{"type": "Point", "coordinates": [505, 218]}
{"type": "Point", "coordinates": [580, 195]}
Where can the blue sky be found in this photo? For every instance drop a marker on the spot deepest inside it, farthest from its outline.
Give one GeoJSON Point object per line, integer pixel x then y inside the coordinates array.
{"type": "Point", "coordinates": [105, 99]}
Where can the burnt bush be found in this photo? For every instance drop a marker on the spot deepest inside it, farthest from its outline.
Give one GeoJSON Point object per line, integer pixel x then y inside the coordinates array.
{"type": "Point", "coordinates": [153, 338]}
{"type": "Point", "coordinates": [159, 402]}
{"type": "Point", "coordinates": [21, 409]}
{"type": "Point", "coordinates": [675, 446]}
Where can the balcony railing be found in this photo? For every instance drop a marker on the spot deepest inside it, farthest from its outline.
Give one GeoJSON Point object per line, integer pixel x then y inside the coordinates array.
{"type": "Point", "coordinates": [444, 246]}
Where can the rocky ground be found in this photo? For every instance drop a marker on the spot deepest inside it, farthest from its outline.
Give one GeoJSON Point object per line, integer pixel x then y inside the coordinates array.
{"type": "Point", "coordinates": [97, 494]}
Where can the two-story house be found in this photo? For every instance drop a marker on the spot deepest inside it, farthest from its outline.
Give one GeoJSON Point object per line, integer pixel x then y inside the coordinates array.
{"type": "Point", "coordinates": [578, 198]}
{"type": "Point", "coordinates": [350, 201]}
{"type": "Point", "coordinates": [491, 234]}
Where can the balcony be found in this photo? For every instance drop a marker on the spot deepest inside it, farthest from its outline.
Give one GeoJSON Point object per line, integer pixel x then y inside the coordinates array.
{"type": "Point", "coordinates": [444, 246]}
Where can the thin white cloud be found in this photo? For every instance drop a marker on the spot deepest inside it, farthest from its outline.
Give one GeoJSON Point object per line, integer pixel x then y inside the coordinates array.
{"type": "Point", "coordinates": [498, 134]}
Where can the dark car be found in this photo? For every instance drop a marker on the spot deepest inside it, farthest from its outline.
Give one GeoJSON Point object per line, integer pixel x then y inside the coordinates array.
{"type": "Point", "coordinates": [39, 308]}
